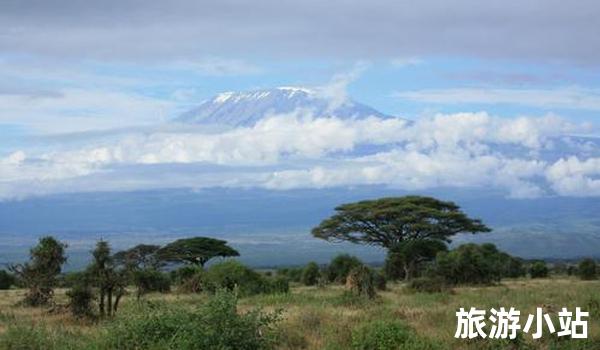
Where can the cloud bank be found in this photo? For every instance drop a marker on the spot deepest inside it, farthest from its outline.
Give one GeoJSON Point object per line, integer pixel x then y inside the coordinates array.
{"type": "Point", "coordinates": [549, 30]}
{"type": "Point", "coordinates": [524, 157]}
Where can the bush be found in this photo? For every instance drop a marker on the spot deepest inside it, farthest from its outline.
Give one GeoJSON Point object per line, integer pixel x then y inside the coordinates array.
{"type": "Point", "coordinates": [394, 267]}
{"type": "Point", "coordinates": [232, 274]}
{"type": "Point", "coordinates": [361, 281]}
{"type": "Point", "coordinates": [148, 281]}
{"type": "Point", "coordinates": [434, 284]}
{"type": "Point", "coordinates": [184, 273]}
{"type": "Point", "coordinates": [194, 284]}
{"type": "Point", "coordinates": [388, 335]}
{"type": "Point", "coordinates": [80, 301]}
{"type": "Point", "coordinates": [340, 267]}
{"type": "Point", "coordinates": [278, 285]}
{"type": "Point", "coordinates": [293, 274]}
{"type": "Point", "coordinates": [587, 269]}
{"type": "Point", "coordinates": [72, 279]}
{"type": "Point", "coordinates": [538, 269]}
{"type": "Point", "coordinates": [6, 280]}
{"type": "Point", "coordinates": [514, 268]}
{"type": "Point", "coordinates": [380, 280]}
{"type": "Point", "coordinates": [310, 274]}
{"type": "Point", "coordinates": [475, 264]}
{"type": "Point", "coordinates": [216, 325]}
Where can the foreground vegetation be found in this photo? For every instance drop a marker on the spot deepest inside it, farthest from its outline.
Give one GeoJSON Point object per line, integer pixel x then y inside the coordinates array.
{"type": "Point", "coordinates": [304, 318]}
{"type": "Point", "coordinates": [168, 297]}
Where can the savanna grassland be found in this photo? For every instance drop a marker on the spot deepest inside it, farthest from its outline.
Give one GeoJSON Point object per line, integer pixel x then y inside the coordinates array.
{"type": "Point", "coordinates": [325, 318]}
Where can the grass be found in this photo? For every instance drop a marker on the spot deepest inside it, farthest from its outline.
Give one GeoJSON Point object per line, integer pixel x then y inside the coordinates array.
{"type": "Point", "coordinates": [327, 318]}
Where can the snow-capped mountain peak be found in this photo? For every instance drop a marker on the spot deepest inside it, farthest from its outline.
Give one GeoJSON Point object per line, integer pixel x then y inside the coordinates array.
{"type": "Point", "coordinates": [248, 107]}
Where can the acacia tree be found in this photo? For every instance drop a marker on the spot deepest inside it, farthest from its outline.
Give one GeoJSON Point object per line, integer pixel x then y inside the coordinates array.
{"type": "Point", "coordinates": [390, 222]}
{"type": "Point", "coordinates": [197, 250]}
{"type": "Point", "coordinates": [39, 274]}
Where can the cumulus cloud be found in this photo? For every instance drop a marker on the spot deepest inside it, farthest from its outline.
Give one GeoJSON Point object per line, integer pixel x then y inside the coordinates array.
{"type": "Point", "coordinates": [575, 177]}
{"type": "Point", "coordinates": [521, 156]}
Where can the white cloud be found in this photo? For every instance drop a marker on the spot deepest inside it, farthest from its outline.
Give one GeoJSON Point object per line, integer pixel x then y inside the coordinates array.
{"type": "Point", "coordinates": [298, 150]}
{"type": "Point", "coordinates": [336, 89]}
{"type": "Point", "coordinates": [574, 177]}
{"type": "Point", "coordinates": [559, 98]}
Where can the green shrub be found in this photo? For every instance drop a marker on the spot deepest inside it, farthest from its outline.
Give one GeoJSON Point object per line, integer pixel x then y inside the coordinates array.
{"type": "Point", "coordinates": [193, 284]}
{"type": "Point", "coordinates": [380, 280]}
{"type": "Point", "coordinates": [433, 284]}
{"type": "Point", "coordinates": [72, 279]}
{"type": "Point", "coordinates": [278, 285]}
{"type": "Point", "coordinates": [310, 274]}
{"type": "Point", "coordinates": [538, 269]}
{"type": "Point", "coordinates": [184, 273]}
{"type": "Point", "coordinates": [80, 301]}
{"type": "Point", "coordinates": [514, 268]}
{"type": "Point", "coordinates": [475, 264]}
{"type": "Point", "coordinates": [340, 267]}
{"type": "Point", "coordinates": [232, 274]}
{"type": "Point", "coordinates": [147, 281]}
{"type": "Point", "coordinates": [215, 325]}
{"type": "Point", "coordinates": [6, 280]}
{"type": "Point", "coordinates": [587, 269]}
{"type": "Point", "coordinates": [388, 335]}
{"type": "Point", "coordinates": [293, 274]}
{"type": "Point", "coordinates": [361, 281]}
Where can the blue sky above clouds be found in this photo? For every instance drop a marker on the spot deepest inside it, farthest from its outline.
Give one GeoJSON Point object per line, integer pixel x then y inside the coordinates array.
{"type": "Point", "coordinates": [501, 95]}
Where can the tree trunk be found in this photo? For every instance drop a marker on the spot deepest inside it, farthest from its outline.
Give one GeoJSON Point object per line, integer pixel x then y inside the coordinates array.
{"type": "Point", "coordinates": [117, 299]}
{"type": "Point", "coordinates": [407, 271]}
{"type": "Point", "coordinates": [109, 304]}
{"type": "Point", "coordinates": [101, 304]}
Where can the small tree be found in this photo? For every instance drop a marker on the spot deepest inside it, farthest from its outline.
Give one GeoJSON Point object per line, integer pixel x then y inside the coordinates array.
{"type": "Point", "coordinates": [340, 267]}
{"type": "Point", "coordinates": [81, 297]}
{"type": "Point", "coordinates": [587, 269]}
{"type": "Point", "coordinates": [110, 282]}
{"type": "Point", "coordinates": [197, 250]}
{"type": "Point", "coordinates": [40, 274]}
{"type": "Point", "coordinates": [310, 274]}
{"type": "Point", "coordinates": [538, 269]}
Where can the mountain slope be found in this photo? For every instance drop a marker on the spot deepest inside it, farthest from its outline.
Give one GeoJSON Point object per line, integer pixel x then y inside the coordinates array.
{"type": "Point", "coordinates": [247, 108]}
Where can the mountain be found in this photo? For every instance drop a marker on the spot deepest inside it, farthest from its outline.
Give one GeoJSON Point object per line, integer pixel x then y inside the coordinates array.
{"type": "Point", "coordinates": [247, 108]}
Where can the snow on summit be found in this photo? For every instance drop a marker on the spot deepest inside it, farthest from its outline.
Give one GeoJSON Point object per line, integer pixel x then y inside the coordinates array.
{"type": "Point", "coordinates": [247, 108]}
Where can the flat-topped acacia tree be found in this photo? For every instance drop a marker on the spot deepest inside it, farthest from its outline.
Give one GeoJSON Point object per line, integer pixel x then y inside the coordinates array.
{"type": "Point", "coordinates": [197, 250]}
{"type": "Point", "coordinates": [391, 222]}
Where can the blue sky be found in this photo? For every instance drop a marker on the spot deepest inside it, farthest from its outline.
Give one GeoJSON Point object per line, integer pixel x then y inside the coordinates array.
{"type": "Point", "coordinates": [504, 88]}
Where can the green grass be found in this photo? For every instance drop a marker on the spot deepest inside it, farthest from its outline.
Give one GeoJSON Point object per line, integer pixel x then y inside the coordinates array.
{"type": "Point", "coordinates": [328, 318]}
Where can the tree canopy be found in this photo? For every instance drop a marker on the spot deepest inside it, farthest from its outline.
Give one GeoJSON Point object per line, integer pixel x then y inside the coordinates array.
{"type": "Point", "coordinates": [387, 222]}
{"type": "Point", "coordinates": [142, 256]}
{"type": "Point", "coordinates": [197, 250]}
